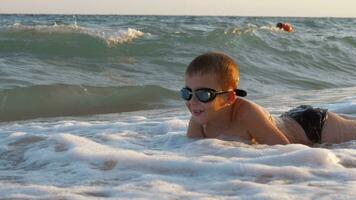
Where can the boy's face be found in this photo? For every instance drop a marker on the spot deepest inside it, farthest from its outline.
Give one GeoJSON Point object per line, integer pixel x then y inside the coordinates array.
{"type": "Point", "coordinates": [204, 112]}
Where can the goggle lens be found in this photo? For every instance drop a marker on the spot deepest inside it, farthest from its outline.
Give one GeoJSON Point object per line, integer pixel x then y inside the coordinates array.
{"type": "Point", "coordinates": [186, 94]}
{"type": "Point", "coordinates": [203, 95]}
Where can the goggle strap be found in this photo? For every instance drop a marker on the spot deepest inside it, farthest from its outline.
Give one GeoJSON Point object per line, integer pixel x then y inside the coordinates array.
{"type": "Point", "coordinates": [241, 93]}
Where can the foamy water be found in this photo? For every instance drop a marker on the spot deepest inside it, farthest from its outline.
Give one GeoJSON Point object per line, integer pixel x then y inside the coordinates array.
{"type": "Point", "coordinates": [146, 155]}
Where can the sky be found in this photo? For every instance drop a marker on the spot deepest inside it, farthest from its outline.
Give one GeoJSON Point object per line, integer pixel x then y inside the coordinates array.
{"type": "Point", "coordinates": [295, 8]}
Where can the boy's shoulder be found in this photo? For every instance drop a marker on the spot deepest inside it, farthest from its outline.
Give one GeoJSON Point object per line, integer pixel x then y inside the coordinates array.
{"type": "Point", "coordinates": [246, 109]}
{"type": "Point", "coordinates": [244, 105]}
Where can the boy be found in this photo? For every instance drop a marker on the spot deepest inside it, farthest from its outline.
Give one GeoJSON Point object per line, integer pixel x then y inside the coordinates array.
{"type": "Point", "coordinates": [211, 93]}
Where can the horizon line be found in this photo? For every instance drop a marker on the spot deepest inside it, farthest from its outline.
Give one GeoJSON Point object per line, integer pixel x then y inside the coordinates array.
{"type": "Point", "coordinates": [175, 15]}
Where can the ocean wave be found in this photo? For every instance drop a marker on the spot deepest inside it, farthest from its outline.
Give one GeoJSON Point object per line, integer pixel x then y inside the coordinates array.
{"type": "Point", "coordinates": [111, 37]}
{"type": "Point", "coordinates": [239, 30]}
{"type": "Point", "coordinates": [64, 39]}
{"type": "Point", "coordinates": [74, 100]}
{"type": "Point", "coordinates": [251, 29]}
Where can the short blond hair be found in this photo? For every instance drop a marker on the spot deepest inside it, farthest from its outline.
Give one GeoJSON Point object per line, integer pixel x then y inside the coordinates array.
{"type": "Point", "coordinates": [219, 64]}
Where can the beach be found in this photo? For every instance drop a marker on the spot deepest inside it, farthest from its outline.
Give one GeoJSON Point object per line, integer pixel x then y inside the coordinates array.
{"type": "Point", "coordinates": [90, 107]}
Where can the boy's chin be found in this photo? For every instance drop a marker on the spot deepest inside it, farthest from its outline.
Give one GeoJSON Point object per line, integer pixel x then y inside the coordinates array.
{"type": "Point", "coordinates": [199, 120]}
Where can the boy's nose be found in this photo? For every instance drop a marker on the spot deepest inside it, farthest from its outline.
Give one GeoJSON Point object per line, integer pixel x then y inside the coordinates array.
{"type": "Point", "coordinates": [194, 100]}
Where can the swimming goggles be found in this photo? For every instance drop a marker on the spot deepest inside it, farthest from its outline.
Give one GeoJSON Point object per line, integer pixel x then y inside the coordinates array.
{"type": "Point", "coordinates": [205, 95]}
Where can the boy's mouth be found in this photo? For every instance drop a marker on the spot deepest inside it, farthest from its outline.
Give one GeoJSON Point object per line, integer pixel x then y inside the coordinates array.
{"type": "Point", "coordinates": [197, 112]}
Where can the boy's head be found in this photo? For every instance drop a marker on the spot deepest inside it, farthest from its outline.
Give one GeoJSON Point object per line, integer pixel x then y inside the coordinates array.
{"type": "Point", "coordinates": [210, 81]}
{"type": "Point", "coordinates": [218, 64]}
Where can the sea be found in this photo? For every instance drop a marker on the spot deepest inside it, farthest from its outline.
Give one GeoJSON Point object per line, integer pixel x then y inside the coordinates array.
{"type": "Point", "coordinates": [90, 107]}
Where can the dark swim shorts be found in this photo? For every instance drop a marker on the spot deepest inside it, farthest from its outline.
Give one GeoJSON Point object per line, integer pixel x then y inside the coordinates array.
{"type": "Point", "coordinates": [310, 119]}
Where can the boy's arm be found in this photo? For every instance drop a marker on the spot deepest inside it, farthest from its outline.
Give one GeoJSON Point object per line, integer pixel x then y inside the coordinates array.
{"type": "Point", "coordinates": [262, 129]}
{"type": "Point", "coordinates": [195, 130]}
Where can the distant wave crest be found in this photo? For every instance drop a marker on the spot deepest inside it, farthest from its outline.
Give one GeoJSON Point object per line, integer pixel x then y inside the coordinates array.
{"type": "Point", "coordinates": [251, 28]}
{"type": "Point", "coordinates": [123, 37]}
{"type": "Point", "coordinates": [111, 37]}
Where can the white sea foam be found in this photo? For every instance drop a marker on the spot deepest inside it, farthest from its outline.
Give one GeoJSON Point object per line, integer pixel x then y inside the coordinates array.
{"type": "Point", "coordinates": [146, 155]}
{"type": "Point", "coordinates": [346, 105]}
{"type": "Point", "coordinates": [123, 37]}
{"type": "Point", "coordinates": [111, 37]}
{"type": "Point", "coordinates": [251, 28]}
